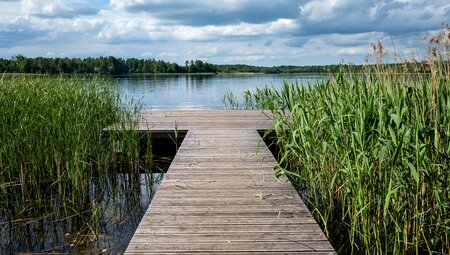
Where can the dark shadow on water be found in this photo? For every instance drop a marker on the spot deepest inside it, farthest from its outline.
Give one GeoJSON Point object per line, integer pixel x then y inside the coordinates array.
{"type": "Point", "coordinates": [103, 224]}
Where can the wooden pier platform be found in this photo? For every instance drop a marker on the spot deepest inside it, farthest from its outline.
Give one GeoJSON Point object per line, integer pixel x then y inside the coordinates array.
{"type": "Point", "coordinates": [220, 196]}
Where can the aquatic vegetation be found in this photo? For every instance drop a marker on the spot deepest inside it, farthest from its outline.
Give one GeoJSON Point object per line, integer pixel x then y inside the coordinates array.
{"type": "Point", "coordinates": [370, 152]}
{"type": "Point", "coordinates": [51, 134]}
{"type": "Point", "coordinates": [104, 225]}
{"type": "Point", "coordinates": [56, 160]}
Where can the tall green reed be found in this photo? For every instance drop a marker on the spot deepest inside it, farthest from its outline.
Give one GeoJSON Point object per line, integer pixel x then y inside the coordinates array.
{"type": "Point", "coordinates": [370, 153]}
{"type": "Point", "coordinates": [51, 138]}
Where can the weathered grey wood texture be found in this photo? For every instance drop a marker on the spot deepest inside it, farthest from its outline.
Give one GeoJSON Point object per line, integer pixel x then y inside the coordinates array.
{"type": "Point", "coordinates": [220, 196]}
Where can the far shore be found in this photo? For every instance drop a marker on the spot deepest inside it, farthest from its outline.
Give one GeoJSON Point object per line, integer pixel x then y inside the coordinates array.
{"type": "Point", "coordinates": [168, 74]}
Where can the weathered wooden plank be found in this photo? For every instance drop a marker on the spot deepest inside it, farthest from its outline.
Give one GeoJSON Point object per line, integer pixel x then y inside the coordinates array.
{"type": "Point", "coordinates": [220, 195]}
{"type": "Point", "coordinates": [296, 227]}
{"type": "Point", "coordinates": [234, 253]}
{"type": "Point", "coordinates": [255, 181]}
{"type": "Point", "coordinates": [204, 113]}
{"type": "Point", "coordinates": [262, 198]}
{"type": "Point", "coordinates": [227, 158]}
{"type": "Point", "coordinates": [229, 186]}
{"type": "Point", "coordinates": [201, 150]}
{"type": "Point", "coordinates": [191, 214]}
{"type": "Point", "coordinates": [293, 246]}
{"type": "Point", "coordinates": [187, 221]}
{"type": "Point", "coordinates": [185, 174]}
{"type": "Point", "coordinates": [217, 194]}
{"type": "Point", "coordinates": [233, 208]}
{"type": "Point", "coordinates": [190, 125]}
{"type": "Point", "coordinates": [231, 237]}
{"type": "Point", "coordinates": [205, 174]}
{"type": "Point", "coordinates": [194, 164]}
{"type": "Point", "coordinates": [230, 152]}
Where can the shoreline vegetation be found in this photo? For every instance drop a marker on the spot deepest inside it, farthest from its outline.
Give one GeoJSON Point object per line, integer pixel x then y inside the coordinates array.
{"type": "Point", "coordinates": [62, 178]}
{"type": "Point", "coordinates": [132, 66]}
{"type": "Point", "coordinates": [370, 152]}
{"type": "Point", "coordinates": [52, 131]}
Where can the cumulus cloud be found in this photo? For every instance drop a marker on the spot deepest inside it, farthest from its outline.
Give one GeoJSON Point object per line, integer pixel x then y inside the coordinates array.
{"type": "Point", "coordinates": [212, 32]}
{"type": "Point", "coordinates": [57, 8]}
{"type": "Point", "coordinates": [18, 30]}
{"type": "Point", "coordinates": [206, 12]}
{"type": "Point", "coordinates": [142, 28]}
{"type": "Point", "coordinates": [354, 40]}
{"type": "Point", "coordinates": [118, 29]}
{"type": "Point", "coordinates": [8, 10]}
{"type": "Point", "coordinates": [360, 16]}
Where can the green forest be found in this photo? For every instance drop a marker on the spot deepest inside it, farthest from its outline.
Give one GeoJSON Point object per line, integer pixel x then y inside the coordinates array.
{"type": "Point", "coordinates": [100, 65]}
{"type": "Point", "coordinates": [118, 66]}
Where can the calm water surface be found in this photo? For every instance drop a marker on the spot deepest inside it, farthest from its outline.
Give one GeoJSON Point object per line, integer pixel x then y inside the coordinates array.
{"type": "Point", "coordinates": [46, 228]}
{"type": "Point", "coordinates": [199, 91]}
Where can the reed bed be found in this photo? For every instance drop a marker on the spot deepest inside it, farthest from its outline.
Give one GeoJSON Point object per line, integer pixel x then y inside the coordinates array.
{"type": "Point", "coordinates": [53, 150]}
{"type": "Point", "coordinates": [370, 152]}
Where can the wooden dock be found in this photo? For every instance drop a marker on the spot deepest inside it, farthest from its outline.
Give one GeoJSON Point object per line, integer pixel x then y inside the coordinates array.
{"type": "Point", "coordinates": [220, 196]}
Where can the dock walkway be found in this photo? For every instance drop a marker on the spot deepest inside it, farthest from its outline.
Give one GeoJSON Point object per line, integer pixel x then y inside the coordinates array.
{"type": "Point", "coordinates": [221, 197]}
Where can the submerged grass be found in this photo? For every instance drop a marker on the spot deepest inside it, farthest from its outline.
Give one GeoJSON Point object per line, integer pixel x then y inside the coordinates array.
{"type": "Point", "coordinates": [370, 153]}
{"type": "Point", "coordinates": [53, 152]}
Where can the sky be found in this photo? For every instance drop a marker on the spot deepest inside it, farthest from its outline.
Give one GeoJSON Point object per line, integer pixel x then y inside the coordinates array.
{"type": "Point", "coordinates": [255, 32]}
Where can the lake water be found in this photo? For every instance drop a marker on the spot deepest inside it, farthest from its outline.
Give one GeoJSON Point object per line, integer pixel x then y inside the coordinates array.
{"type": "Point", "coordinates": [46, 228]}
{"type": "Point", "coordinates": [199, 91]}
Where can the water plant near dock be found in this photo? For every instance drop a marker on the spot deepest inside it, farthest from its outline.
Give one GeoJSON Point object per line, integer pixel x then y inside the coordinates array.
{"type": "Point", "coordinates": [370, 152]}
{"type": "Point", "coordinates": [55, 160]}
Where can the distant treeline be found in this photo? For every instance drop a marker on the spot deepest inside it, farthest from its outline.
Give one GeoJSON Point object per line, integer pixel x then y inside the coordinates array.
{"type": "Point", "coordinates": [277, 69]}
{"type": "Point", "coordinates": [118, 66]}
{"type": "Point", "coordinates": [100, 65]}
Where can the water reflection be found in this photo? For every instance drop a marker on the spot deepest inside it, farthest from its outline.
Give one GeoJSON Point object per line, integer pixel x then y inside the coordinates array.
{"type": "Point", "coordinates": [199, 91]}
{"type": "Point", "coordinates": [105, 223]}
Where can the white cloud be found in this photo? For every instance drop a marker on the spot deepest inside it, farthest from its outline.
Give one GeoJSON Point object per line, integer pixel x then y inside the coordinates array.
{"type": "Point", "coordinates": [50, 8]}
{"type": "Point", "coordinates": [240, 59]}
{"type": "Point", "coordinates": [358, 16]}
{"type": "Point", "coordinates": [212, 32]}
{"type": "Point", "coordinates": [261, 32]}
{"type": "Point", "coordinates": [9, 10]}
{"type": "Point", "coordinates": [354, 50]}
{"type": "Point", "coordinates": [56, 8]}
{"type": "Point", "coordinates": [18, 30]}
{"type": "Point", "coordinates": [168, 54]}
{"type": "Point", "coordinates": [206, 12]}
